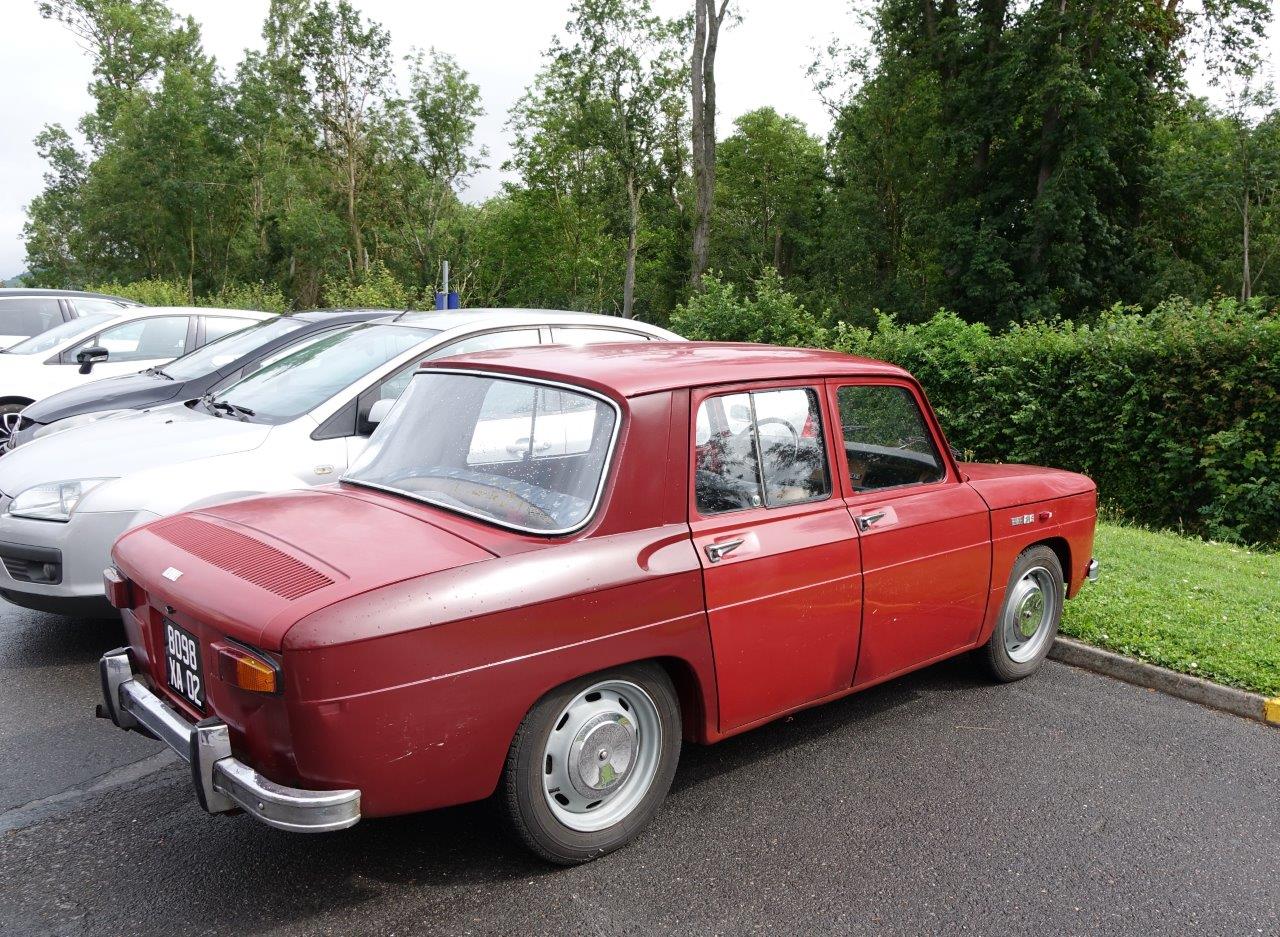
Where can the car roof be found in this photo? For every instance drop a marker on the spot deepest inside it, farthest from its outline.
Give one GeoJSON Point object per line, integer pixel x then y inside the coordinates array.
{"type": "Point", "coordinates": [351, 315]}
{"type": "Point", "coordinates": [64, 294]}
{"type": "Point", "coordinates": [634, 368]}
{"type": "Point", "coordinates": [495, 317]}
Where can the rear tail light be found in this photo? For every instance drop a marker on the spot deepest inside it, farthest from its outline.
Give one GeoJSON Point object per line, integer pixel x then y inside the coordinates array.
{"type": "Point", "coordinates": [249, 671]}
{"type": "Point", "coordinates": [118, 588]}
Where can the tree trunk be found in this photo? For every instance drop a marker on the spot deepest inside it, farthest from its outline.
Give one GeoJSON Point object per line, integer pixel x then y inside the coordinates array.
{"type": "Point", "coordinates": [706, 34]}
{"type": "Point", "coordinates": [1246, 277]}
{"type": "Point", "coordinates": [633, 247]}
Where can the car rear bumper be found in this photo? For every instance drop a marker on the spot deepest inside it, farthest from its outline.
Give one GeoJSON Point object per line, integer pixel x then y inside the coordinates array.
{"type": "Point", "coordinates": [222, 782]}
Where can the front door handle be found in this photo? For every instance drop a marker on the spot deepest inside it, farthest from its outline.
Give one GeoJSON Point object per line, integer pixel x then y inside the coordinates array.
{"type": "Point", "coordinates": [867, 521]}
{"type": "Point", "coordinates": [718, 551]}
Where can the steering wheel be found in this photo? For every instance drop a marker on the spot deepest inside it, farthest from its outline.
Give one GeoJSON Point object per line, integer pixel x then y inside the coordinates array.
{"type": "Point", "coordinates": [795, 436]}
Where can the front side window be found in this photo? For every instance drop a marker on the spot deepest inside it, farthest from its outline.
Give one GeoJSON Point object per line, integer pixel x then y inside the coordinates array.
{"type": "Point", "coordinates": [886, 440]}
{"type": "Point", "coordinates": [759, 449]}
{"type": "Point", "coordinates": [51, 339]}
{"type": "Point", "coordinates": [24, 316]}
{"type": "Point", "coordinates": [517, 453]}
{"type": "Point", "coordinates": [140, 340]}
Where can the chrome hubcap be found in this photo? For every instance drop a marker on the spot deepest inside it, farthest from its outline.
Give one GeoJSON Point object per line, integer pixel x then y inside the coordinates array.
{"type": "Point", "coordinates": [1030, 615]}
{"type": "Point", "coordinates": [601, 755]}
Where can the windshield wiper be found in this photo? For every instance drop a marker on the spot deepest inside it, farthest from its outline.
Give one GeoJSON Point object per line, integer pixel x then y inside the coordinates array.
{"type": "Point", "coordinates": [158, 373]}
{"type": "Point", "coordinates": [218, 407]}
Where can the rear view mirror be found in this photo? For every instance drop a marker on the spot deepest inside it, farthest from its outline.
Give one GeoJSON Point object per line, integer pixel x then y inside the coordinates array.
{"type": "Point", "coordinates": [90, 356]}
{"type": "Point", "coordinates": [378, 412]}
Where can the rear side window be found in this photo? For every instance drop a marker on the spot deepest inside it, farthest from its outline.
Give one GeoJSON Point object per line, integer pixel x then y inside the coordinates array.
{"type": "Point", "coordinates": [886, 440]}
{"type": "Point", "coordinates": [583, 335]}
{"type": "Point", "coordinates": [217, 326]}
{"type": "Point", "coordinates": [759, 449]}
{"type": "Point", "coordinates": [25, 316]}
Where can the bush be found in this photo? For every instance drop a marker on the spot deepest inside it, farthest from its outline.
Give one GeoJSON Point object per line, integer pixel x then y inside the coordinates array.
{"type": "Point", "coordinates": [257, 296]}
{"type": "Point", "coordinates": [375, 289]}
{"type": "Point", "coordinates": [773, 316]}
{"type": "Point", "coordinates": [155, 292]}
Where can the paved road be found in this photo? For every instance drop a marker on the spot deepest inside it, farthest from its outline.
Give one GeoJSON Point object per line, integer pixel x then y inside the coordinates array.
{"type": "Point", "coordinates": [1067, 803]}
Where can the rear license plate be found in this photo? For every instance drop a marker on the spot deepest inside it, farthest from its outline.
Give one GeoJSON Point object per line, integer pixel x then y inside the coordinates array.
{"type": "Point", "coordinates": [183, 671]}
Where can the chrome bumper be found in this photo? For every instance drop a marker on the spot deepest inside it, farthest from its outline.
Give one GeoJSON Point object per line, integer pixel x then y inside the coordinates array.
{"type": "Point", "coordinates": [1091, 571]}
{"type": "Point", "coordinates": [222, 782]}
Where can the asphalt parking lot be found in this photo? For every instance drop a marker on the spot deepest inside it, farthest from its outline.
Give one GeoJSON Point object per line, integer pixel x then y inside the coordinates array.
{"type": "Point", "coordinates": [1067, 803]}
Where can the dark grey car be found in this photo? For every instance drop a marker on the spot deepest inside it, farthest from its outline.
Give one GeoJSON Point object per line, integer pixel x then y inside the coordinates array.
{"type": "Point", "coordinates": [217, 364]}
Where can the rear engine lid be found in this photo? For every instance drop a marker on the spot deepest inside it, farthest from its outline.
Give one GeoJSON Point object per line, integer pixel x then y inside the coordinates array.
{"type": "Point", "coordinates": [251, 569]}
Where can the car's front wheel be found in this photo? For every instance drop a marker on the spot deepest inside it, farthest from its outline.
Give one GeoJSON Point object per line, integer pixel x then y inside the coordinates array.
{"type": "Point", "coordinates": [1029, 617]}
{"type": "Point", "coordinates": [592, 762]}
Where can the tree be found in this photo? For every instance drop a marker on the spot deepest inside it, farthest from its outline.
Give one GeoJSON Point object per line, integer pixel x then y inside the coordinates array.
{"type": "Point", "coordinates": [770, 186]}
{"type": "Point", "coordinates": [606, 99]}
{"type": "Point", "coordinates": [707, 20]}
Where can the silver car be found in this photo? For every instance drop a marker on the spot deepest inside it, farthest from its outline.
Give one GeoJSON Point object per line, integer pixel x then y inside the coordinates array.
{"type": "Point", "coordinates": [297, 422]}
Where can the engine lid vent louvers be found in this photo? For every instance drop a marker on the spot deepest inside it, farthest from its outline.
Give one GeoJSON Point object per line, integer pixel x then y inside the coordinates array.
{"type": "Point", "coordinates": [243, 556]}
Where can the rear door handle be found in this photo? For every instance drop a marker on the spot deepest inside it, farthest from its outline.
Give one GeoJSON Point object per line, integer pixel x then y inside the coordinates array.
{"type": "Point", "coordinates": [867, 521]}
{"type": "Point", "coordinates": [718, 551]}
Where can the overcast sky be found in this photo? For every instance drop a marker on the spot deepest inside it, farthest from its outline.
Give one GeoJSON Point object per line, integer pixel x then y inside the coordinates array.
{"type": "Point", "coordinates": [762, 61]}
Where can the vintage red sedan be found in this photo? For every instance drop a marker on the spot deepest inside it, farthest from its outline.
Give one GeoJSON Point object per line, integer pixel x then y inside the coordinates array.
{"type": "Point", "coordinates": [551, 566]}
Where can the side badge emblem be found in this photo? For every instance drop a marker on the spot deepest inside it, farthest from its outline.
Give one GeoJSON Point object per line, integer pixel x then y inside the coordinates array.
{"type": "Point", "coordinates": [173, 575]}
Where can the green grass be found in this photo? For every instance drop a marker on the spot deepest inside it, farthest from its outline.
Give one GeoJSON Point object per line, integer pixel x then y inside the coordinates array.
{"type": "Point", "coordinates": [1207, 609]}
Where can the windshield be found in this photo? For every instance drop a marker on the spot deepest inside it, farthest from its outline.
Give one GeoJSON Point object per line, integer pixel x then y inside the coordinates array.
{"type": "Point", "coordinates": [524, 455]}
{"type": "Point", "coordinates": [229, 348]}
{"type": "Point", "coordinates": [60, 333]}
{"type": "Point", "coordinates": [299, 382]}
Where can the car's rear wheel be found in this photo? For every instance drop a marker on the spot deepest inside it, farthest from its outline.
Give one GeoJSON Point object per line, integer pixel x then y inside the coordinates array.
{"type": "Point", "coordinates": [1029, 618]}
{"type": "Point", "coordinates": [592, 762]}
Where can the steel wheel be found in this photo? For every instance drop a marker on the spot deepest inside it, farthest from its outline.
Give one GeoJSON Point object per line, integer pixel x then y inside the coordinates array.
{"type": "Point", "coordinates": [1030, 614]}
{"type": "Point", "coordinates": [601, 755]}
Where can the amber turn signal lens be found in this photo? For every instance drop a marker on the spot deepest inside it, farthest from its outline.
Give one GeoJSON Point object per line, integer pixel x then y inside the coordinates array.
{"type": "Point", "coordinates": [247, 671]}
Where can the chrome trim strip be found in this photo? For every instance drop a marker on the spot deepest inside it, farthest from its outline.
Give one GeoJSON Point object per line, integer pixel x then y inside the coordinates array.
{"type": "Point", "coordinates": [518, 379]}
{"type": "Point", "coordinates": [225, 782]}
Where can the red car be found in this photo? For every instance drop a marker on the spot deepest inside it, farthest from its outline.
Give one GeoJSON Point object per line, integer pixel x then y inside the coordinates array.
{"type": "Point", "coordinates": [553, 565]}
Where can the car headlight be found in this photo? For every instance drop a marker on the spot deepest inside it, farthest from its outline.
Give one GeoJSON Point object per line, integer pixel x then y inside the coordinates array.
{"type": "Point", "coordinates": [72, 422]}
{"type": "Point", "coordinates": [54, 501]}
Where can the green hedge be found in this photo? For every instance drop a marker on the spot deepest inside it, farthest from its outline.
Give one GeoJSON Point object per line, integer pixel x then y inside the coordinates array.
{"type": "Point", "coordinates": [1175, 413]}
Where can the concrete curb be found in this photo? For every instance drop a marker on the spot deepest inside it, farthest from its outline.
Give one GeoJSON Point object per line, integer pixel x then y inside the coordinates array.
{"type": "Point", "coordinates": [1228, 699]}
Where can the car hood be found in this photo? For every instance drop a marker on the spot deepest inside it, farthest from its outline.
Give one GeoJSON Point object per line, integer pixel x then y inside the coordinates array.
{"type": "Point", "coordinates": [128, 443]}
{"type": "Point", "coordinates": [123, 392]}
{"type": "Point", "coordinates": [251, 569]}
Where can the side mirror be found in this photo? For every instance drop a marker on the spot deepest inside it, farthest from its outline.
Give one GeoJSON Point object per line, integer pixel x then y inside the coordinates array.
{"type": "Point", "coordinates": [378, 412]}
{"type": "Point", "coordinates": [90, 356]}
{"type": "Point", "coordinates": [740, 412]}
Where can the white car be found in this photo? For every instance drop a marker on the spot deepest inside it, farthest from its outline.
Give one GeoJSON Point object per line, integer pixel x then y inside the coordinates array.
{"type": "Point", "coordinates": [106, 342]}
{"type": "Point", "coordinates": [26, 312]}
{"type": "Point", "coordinates": [296, 422]}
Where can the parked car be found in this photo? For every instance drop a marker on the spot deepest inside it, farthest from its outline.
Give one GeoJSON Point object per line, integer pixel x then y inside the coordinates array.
{"type": "Point", "coordinates": [294, 423]}
{"type": "Point", "coordinates": [218, 364]}
{"type": "Point", "coordinates": [740, 532]}
{"type": "Point", "coordinates": [27, 312]}
{"type": "Point", "coordinates": [104, 343]}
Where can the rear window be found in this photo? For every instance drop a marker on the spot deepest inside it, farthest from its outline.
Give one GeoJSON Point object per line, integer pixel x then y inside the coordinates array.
{"type": "Point", "coordinates": [521, 454]}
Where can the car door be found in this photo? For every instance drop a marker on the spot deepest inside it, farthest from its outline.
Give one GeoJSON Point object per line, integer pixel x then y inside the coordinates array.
{"type": "Point", "coordinates": [778, 550]}
{"type": "Point", "coordinates": [925, 536]}
{"type": "Point", "coordinates": [136, 345]}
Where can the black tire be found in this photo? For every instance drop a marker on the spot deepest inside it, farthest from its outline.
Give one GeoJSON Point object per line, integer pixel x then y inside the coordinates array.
{"type": "Point", "coordinates": [1004, 659]}
{"type": "Point", "coordinates": [523, 801]}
